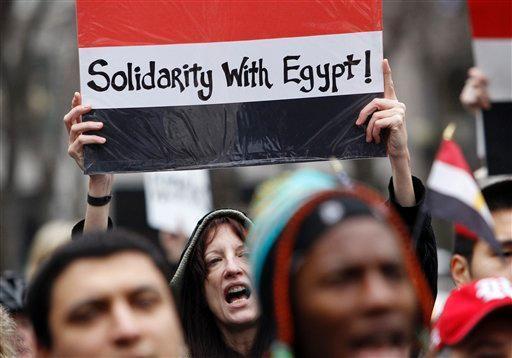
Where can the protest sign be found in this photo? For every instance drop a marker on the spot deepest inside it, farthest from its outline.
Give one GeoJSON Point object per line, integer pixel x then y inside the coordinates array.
{"type": "Point", "coordinates": [492, 47]}
{"type": "Point", "coordinates": [176, 201]}
{"type": "Point", "coordinates": [200, 84]}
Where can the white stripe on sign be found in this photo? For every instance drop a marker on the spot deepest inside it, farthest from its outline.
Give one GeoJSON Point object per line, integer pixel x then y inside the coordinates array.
{"type": "Point", "coordinates": [232, 72]}
{"type": "Point", "coordinates": [452, 181]}
{"type": "Point", "coordinates": [494, 58]}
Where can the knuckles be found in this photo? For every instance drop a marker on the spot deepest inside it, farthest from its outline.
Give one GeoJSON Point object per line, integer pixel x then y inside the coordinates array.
{"type": "Point", "coordinates": [399, 118]}
{"type": "Point", "coordinates": [71, 152]}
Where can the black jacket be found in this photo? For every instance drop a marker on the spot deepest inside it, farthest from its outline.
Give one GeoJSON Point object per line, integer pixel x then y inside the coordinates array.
{"type": "Point", "coordinates": [425, 243]}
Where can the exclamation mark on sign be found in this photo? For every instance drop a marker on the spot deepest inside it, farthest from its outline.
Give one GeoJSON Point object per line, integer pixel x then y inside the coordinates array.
{"type": "Point", "coordinates": [368, 72]}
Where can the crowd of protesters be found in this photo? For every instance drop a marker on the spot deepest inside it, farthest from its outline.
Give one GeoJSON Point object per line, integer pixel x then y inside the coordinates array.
{"type": "Point", "coordinates": [321, 267]}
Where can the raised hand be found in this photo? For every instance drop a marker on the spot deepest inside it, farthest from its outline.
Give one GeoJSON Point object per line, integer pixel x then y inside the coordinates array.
{"type": "Point", "coordinates": [474, 95]}
{"type": "Point", "coordinates": [76, 129]}
{"type": "Point", "coordinates": [389, 114]}
{"type": "Point", "coordinates": [386, 113]}
{"type": "Point", "coordinates": [96, 217]}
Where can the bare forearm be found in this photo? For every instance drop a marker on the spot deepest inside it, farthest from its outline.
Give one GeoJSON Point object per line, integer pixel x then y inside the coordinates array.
{"type": "Point", "coordinates": [96, 217]}
{"type": "Point", "coordinates": [402, 180]}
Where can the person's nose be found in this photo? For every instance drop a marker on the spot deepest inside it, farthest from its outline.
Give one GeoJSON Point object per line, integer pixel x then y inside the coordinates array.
{"type": "Point", "coordinates": [379, 295]}
{"type": "Point", "coordinates": [233, 267]}
{"type": "Point", "coordinates": [126, 330]}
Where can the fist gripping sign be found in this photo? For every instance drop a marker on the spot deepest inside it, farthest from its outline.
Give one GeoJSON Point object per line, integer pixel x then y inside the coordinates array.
{"type": "Point", "coordinates": [203, 84]}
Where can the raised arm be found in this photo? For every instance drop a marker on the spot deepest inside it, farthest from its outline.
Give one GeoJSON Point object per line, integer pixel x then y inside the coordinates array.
{"type": "Point", "coordinates": [100, 185]}
{"type": "Point", "coordinates": [405, 192]}
{"type": "Point", "coordinates": [389, 114]}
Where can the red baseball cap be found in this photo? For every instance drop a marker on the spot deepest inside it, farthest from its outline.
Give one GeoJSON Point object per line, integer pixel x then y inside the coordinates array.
{"type": "Point", "coordinates": [467, 306]}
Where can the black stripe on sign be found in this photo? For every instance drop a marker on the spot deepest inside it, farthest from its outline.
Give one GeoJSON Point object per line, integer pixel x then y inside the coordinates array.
{"type": "Point", "coordinates": [498, 138]}
{"type": "Point", "coordinates": [235, 134]}
{"type": "Point", "coordinates": [452, 209]}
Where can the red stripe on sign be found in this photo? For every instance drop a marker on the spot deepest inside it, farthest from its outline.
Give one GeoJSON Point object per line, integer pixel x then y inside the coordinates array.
{"type": "Point", "coordinates": [131, 23]}
{"type": "Point", "coordinates": [450, 153]}
{"type": "Point", "coordinates": [491, 18]}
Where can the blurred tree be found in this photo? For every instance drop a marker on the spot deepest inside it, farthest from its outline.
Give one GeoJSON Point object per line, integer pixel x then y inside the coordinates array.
{"type": "Point", "coordinates": [16, 74]}
{"type": "Point", "coordinates": [32, 91]}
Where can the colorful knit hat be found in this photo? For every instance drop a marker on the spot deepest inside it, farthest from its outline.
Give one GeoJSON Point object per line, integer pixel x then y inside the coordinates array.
{"type": "Point", "coordinates": [276, 236]}
{"type": "Point", "coordinates": [274, 204]}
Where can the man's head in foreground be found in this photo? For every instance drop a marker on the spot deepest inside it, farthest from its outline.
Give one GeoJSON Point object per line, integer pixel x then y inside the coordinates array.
{"type": "Point", "coordinates": [476, 321]}
{"type": "Point", "coordinates": [474, 259]}
{"type": "Point", "coordinates": [105, 294]}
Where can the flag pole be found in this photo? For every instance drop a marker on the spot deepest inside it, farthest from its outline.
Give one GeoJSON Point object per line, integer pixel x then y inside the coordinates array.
{"type": "Point", "coordinates": [449, 131]}
{"type": "Point", "coordinates": [340, 173]}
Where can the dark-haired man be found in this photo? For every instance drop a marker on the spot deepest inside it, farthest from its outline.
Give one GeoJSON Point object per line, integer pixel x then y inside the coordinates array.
{"type": "Point", "coordinates": [474, 259]}
{"type": "Point", "coordinates": [105, 295]}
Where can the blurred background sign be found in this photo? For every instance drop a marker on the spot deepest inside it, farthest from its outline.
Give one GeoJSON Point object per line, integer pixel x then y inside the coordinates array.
{"type": "Point", "coordinates": [175, 201]}
{"type": "Point", "coordinates": [491, 22]}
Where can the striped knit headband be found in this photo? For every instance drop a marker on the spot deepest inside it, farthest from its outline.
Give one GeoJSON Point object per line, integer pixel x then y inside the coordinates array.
{"type": "Point", "coordinates": [286, 245]}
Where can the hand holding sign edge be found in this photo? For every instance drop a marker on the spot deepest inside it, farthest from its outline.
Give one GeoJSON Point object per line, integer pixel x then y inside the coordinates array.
{"type": "Point", "coordinates": [96, 218]}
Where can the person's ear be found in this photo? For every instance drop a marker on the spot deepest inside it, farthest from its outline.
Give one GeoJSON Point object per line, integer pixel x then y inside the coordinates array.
{"type": "Point", "coordinates": [459, 267]}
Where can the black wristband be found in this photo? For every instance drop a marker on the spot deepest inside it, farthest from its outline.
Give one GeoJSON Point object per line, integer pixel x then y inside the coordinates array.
{"type": "Point", "coordinates": [104, 200]}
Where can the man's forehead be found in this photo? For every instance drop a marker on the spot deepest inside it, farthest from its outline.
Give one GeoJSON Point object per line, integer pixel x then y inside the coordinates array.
{"type": "Point", "coordinates": [506, 243]}
{"type": "Point", "coordinates": [124, 271]}
{"type": "Point", "coordinates": [121, 259]}
{"type": "Point", "coordinates": [502, 215]}
{"type": "Point", "coordinates": [355, 246]}
{"type": "Point", "coordinates": [502, 226]}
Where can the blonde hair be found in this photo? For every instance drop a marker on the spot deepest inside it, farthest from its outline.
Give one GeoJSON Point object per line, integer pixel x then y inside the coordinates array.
{"type": "Point", "coordinates": [7, 335]}
{"type": "Point", "coordinates": [48, 238]}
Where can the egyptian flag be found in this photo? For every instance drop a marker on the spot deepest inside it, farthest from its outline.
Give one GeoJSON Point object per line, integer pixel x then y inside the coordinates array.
{"type": "Point", "coordinates": [454, 195]}
{"type": "Point", "coordinates": [491, 23]}
{"type": "Point", "coordinates": [203, 84]}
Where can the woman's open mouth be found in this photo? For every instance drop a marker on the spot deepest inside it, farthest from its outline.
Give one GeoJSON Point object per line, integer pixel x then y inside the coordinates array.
{"type": "Point", "coordinates": [237, 293]}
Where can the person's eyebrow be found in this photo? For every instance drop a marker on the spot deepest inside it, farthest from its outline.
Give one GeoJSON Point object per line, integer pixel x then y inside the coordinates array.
{"type": "Point", "coordinates": [102, 299]}
{"type": "Point", "coordinates": [88, 301]}
{"type": "Point", "coordinates": [144, 289]}
{"type": "Point", "coordinates": [94, 301]}
{"type": "Point", "coordinates": [506, 243]}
